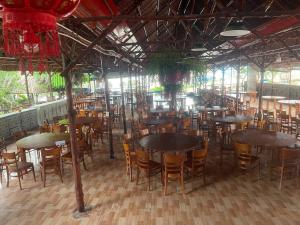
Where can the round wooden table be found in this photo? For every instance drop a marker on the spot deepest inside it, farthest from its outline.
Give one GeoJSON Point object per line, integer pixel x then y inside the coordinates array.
{"type": "Point", "coordinates": [39, 141]}
{"type": "Point", "coordinates": [169, 142]}
{"type": "Point", "coordinates": [257, 137]}
{"type": "Point", "coordinates": [274, 98]}
{"type": "Point", "coordinates": [233, 119]}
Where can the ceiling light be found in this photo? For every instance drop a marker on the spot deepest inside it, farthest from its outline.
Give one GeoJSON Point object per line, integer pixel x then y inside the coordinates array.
{"type": "Point", "coordinates": [235, 29]}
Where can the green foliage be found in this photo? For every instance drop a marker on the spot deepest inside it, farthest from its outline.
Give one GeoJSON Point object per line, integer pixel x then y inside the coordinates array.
{"type": "Point", "coordinates": [57, 82]}
{"type": "Point", "coordinates": [22, 99]}
{"type": "Point", "coordinates": [9, 84]}
{"type": "Point", "coordinates": [172, 69]}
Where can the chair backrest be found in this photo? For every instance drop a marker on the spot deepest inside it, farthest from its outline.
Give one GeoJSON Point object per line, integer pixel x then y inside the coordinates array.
{"type": "Point", "coordinates": [199, 156]}
{"type": "Point", "coordinates": [173, 163]}
{"type": "Point", "coordinates": [56, 128]}
{"type": "Point", "coordinates": [126, 149]}
{"type": "Point", "coordinates": [2, 145]}
{"type": "Point", "coordinates": [144, 132]}
{"type": "Point", "coordinates": [225, 137]}
{"type": "Point", "coordinates": [82, 113]}
{"type": "Point", "coordinates": [45, 128]}
{"type": "Point", "coordinates": [186, 123]}
{"type": "Point", "coordinates": [19, 134]}
{"type": "Point", "coordinates": [243, 152]}
{"type": "Point", "coordinates": [261, 124]}
{"type": "Point", "coordinates": [142, 159]}
{"type": "Point", "coordinates": [51, 155]}
{"type": "Point", "coordinates": [167, 128]}
{"type": "Point", "coordinates": [289, 156]}
{"type": "Point", "coordinates": [10, 159]}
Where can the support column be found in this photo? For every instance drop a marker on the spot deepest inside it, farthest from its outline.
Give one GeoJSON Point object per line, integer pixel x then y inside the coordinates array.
{"type": "Point", "coordinates": [131, 92]}
{"type": "Point", "coordinates": [123, 105]}
{"type": "Point", "coordinates": [213, 81]}
{"type": "Point", "coordinates": [223, 77]}
{"type": "Point", "coordinates": [109, 125]}
{"type": "Point", "coordinates": [237, 88]}
{"type": "Point", "coordinates": [27, 88]}
{"type": "Point", "coordinates": [73, 142]}
{"type": "Point", "coordinates": [262, 73]}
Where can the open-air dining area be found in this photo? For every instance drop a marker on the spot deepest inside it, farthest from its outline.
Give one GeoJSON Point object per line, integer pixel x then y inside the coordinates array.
{"type": "Point", "coordinates": [150, 112]}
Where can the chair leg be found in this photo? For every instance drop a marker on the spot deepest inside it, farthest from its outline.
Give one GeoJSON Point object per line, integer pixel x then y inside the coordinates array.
{"type": "Point", "coordinates": [182, 183]}
{"type": "Point", "coordinates": [44, 176]}
{"type": "Point", "coordinates": [19, 180]}
{"type": "Point", "coordinates": [60, 173]}
{"type": "Point", "coordinates": [130, 173]}
{"type": "Point", "coordinates": [33, 172]}
{"type": "Point", "coordinates": [149, 180]}
{"type": "Point", "coordinates": [281, 178]}
{"type": "Point", "coordinates": [83, 162]}
{"type": "Point", "coordinates": [7, 178]}
{"type": "Point", "coordinates": [165, 184]}
{"type": "Point", "coordinates": [137, 175]}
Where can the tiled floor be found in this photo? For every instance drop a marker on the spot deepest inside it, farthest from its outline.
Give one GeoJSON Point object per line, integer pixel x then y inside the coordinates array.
{"type": "Point", "coordinates": [228, 198]}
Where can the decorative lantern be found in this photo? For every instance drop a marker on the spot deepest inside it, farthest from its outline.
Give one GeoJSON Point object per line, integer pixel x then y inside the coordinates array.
{"type": "Point", "coordinates": [30, 31]}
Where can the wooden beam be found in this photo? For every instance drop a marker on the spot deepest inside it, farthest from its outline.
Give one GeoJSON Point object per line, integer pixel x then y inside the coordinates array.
{"type": "Point", "coordinates": [221, 15]}
{"type": "Point", "coordinates": [101, 37]}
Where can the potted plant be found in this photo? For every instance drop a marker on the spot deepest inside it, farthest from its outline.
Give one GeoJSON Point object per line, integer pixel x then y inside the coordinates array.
{"type": "Point", "coordinates": [173, 70]}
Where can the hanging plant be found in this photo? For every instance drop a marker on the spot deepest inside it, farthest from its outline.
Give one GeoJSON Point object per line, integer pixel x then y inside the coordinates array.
{"type": "Point", "coordinates": [173, 70]}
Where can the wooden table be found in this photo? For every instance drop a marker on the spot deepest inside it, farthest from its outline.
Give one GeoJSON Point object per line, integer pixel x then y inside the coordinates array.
{"type": "Point", "coordinates": [274, 98]}
{"type": "Point", "coordinates": [159, 102]}
{"type": "Point", "coordinates": [218, 109]}
{"type": "Point", "coordinates": [233, 119]}
{"type": "Point", "coordinates": [290, 103]}
{"type": "Point", "coordinates": [257, 137]}
{"type": "Point", "coordinates": [39, 141]}
{"type": "Point", "coordinates": [168, 142]}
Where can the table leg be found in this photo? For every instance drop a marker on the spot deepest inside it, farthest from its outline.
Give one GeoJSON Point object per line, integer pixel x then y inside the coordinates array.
{"type": "Point", "coordinates": [267, 104]}
{"type": "Point", "coordinates": [22, 154]}
{"type": "Point", "coordinates": [280, 107]}
{"type": "Point", "coordinates": [274, 105]}
{"type": "Point", "coordinates": [290, 110]}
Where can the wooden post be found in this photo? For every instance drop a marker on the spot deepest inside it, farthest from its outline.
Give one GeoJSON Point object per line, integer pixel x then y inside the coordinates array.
{"type": "Point", "coordinates": [109, 126]}
{"type": "Point", "coordinates": [213, 81]}
{"type": "Point", "coordinates": [73, 142]}
{"type": "Point", "coordinates": [131, 92]}
{"type": "Point", "coordinates": [262, 72]}
{"type": "Point", "coordinates": [237, 88]}
{"type": "Point", "coordinates": [223, 77]}
{"type": "Point", "coordinates": [123, 105]}
{"type": "Point", "coordinates": [27, 88]}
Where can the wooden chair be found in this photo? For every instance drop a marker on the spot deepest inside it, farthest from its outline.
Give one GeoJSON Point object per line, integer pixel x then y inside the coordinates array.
{"type": "Point", "coordinates": [289, 163]}
{"type": "Point", "coordinates": [56, 128]}
{"type": "Point", "coordinates": [245, 159]}
{"type": "Point", "coordinates": [173, 170]}
{"type": "Point", "coordinates": [51, 163]}
{"type": "Point", "coordinates": [67, 157]}
{"type": "Point", "coordinates": [144, 132]}
{"type": "Point", "coordinates": [150, 167]}
{"type": "Point", "coordinates": [19, 135]}
{"type": "Point", "coordinates": [45, 128]}
{"type": "Point", "coordinates": [226, 146]}
{"type": "Point", "coordinates": [285, 123]}
{"type": "Point", "coordinates": [82, 113]}
{"type": "Point", "coordinates": [196, 165]}
{"type": "Point", "coordinates": [13, 166]}
{"type": "Point", "coordinates": [167, 128]}
{"type": "Point", "coordinates": [186, 124]}
{"type": "Point", "coordinates": [130, 159]}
